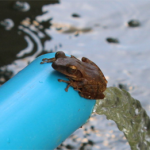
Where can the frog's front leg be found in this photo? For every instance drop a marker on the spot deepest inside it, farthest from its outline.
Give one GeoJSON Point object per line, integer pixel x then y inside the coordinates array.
{"type": "Point", "coordinates": [46, 60]}
{"type": "Point", "coordinates": [66, 89]}
{"type": "Point", "coordinates": [70, 83]}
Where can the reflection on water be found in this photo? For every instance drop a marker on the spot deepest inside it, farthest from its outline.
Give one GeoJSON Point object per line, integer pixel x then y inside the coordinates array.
{"type": "Point", "coordinates": [14, 16]}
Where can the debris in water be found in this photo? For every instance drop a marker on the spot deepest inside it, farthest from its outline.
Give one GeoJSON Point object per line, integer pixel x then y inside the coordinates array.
{"type": "Point", "coordinates": [123, 86]}
{"type": "Point", "coordinates": [75, 15]}
{"type": "Point", "coordinates": [8, 24]}
{"type": "Point", "coordinates": [69, 146]}
{"type": "Point", "coordinates": [112, 40]}
{"type": "Point", "coordinates": [59, 28]}
{"type": "Point", "coordinates": [76, 33]}
{"type": "Point", "coordinates": [60, 45]}
{"type": "Point", "coordinates": [133, 23]}
{"type": "Point", "coordinates": [21, 6]}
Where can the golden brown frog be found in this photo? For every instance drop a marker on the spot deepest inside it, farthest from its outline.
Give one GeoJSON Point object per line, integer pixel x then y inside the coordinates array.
{"type": "Point", "coordinates": [84, 76]}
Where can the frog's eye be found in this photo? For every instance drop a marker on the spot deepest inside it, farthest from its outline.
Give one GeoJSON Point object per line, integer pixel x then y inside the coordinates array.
{"type": "Point", "coordinates": [72, 69]}
{"type": "Point", "coordinates": [60, 54]}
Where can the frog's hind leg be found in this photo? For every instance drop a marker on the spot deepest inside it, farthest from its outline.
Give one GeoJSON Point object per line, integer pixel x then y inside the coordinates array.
{"type": "Point", "coordinates": [92, 96]}
{"type": "Point", "coordinates": [85, 95]}
{"type": "Point", "coordinates": [84, 59]}
{"type": "Point", "coordinates": [100, 96]}
{"type": "Point", "coordinates": [46, 60]}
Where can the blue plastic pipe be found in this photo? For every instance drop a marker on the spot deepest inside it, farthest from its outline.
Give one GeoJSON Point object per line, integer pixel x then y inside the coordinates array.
{"type": "Point", "coordinates": [35, 110]}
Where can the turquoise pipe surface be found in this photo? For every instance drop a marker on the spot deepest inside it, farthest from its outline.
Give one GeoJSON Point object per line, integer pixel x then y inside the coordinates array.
{"type": "Point", "coordinates": [35, 110]}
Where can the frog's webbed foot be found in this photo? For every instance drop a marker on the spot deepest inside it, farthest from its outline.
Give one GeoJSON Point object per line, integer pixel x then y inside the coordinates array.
{"type": "Point", "coordinates": [46, 60]}
{"type": "Point", "coordinates": [66, 89]}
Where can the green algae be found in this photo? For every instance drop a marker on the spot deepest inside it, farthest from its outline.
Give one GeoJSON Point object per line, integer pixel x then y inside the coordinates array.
{"type": "Point", "coordinates": [129, 116]}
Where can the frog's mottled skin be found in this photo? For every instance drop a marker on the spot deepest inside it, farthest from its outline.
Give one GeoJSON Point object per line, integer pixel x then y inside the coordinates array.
{"type": "Point", "coordinates": [84, 76]}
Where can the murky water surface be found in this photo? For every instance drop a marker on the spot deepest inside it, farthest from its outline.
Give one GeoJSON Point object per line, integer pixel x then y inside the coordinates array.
{"type": "Point", "coordinates": [113, 34]}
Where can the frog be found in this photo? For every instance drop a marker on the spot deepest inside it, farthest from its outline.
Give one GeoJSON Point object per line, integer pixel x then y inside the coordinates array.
{"type": "Point", "coordinates": [83, 75]}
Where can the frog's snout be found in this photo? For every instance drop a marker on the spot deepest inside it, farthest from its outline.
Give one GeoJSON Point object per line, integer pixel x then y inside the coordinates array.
{"type": "Point", "coordinates": [57, 65]}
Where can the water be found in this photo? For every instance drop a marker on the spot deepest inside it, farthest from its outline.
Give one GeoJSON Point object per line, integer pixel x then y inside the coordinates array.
{"type": "Point", "coordinates": [54, 27]}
